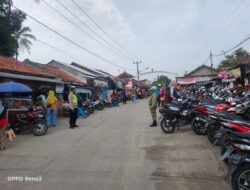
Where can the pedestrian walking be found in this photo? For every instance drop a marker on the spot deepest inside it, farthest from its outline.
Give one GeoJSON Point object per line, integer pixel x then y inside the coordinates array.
{"type": "Point", "coordinates": [133, 96]}
{"type": "Point", "coordinates": [124, 96]}
{"type": "Point", "coordinates": [73, 108]}
{"type": "Point", "coordinates": [51, 103]}
{"type": "Point", "coordinates": [114, 99]}
{"type": "Point", "coordinates": [152, 102]}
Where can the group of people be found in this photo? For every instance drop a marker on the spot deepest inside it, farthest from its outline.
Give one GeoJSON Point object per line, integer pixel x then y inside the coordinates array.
{"type": "Point", "coordinates": [51, 105]}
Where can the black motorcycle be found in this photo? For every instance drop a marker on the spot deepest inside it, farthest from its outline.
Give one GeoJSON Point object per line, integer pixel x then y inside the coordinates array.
{"type": "Point", "coordinates": [217, 122]}
{"type": "Point", "coordinates": [98, 105]}
{"type": "Point", "coordinates": [238, 154]}
{"type": "Point", "coordinates": [176, 115]}
{"type": "Point", "coordinates": [88, 106]}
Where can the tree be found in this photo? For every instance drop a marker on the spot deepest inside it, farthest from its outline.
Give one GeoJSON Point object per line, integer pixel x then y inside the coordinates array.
{"type": "Point", "coordinates": [23, 39]}
{"type": "Point", "coordinates": [163, 80]}
{"type": "Point", "coordinates": [10, 24]}
{"type": "Point", "coordinates": [232, 60]}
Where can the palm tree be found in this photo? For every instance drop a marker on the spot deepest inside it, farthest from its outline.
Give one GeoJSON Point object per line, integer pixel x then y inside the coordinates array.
{"type": "Point", "coordinates": [23, 38]}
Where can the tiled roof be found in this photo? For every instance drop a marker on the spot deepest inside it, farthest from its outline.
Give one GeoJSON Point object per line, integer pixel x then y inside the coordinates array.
{"type": "Point", "coordinates": [65, 76]}
{"type": "Point", "coordinates": [9, 64]}
{"type": "Point", "coordinates": [124, 75]}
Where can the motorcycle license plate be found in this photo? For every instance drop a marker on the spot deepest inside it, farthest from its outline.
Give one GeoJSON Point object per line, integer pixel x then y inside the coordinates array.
{"type": "Point", "coordinates": [228, 152]}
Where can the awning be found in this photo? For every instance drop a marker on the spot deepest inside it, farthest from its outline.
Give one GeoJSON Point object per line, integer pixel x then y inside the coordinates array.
{"type": "Point", "coordinates": [119, 84]}
{"type": "Point", "coordinates": [192, 80]}
{"type": "Point", "coordinates": [26, 77]}
{"type": "Point", "coordinates": [84, 91]}
{"type": "Point", "coordinates": [59, 89]}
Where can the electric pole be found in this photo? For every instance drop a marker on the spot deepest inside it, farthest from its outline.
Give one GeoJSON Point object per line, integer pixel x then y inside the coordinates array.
{"type": "Point", "coordinates": [211, 58]}
{"type": "Point", "coordinates": [138, 72]}
{"type": "Point", "coordinates": [211, 61]}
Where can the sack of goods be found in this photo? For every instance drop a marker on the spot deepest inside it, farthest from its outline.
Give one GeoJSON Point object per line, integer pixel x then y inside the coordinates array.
{"type": "Point", "coordinates": [10, 134]}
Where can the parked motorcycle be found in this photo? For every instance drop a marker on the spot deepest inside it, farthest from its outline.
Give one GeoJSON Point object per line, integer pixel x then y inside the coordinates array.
{"type": "Point", "coordinates": [175, 115]}
{"type": "Point", "coordinates": [98, 105]}
{"type": "Point", "coordinates": [238, 154]}
{"type": "Point", "coordinates": [199, 122]}
{"type": "Point", "coordinates": [220, 120]}
{"type": "Point", "coordinates": [33, 121]}
{"type": "Point", "coordinates": [88, 106]}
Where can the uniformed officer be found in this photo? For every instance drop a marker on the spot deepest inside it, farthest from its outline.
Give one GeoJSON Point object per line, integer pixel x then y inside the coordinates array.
{"type": "Point", "coordinates": [152, 102]}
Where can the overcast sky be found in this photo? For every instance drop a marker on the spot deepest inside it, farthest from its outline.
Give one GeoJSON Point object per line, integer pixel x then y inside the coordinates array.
{"type": "Point", "coordinates": [169, 35]}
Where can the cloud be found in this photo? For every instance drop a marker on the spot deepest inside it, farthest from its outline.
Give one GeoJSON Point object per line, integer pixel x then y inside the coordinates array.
{"type": "Point", "coordinates": [110, 18]}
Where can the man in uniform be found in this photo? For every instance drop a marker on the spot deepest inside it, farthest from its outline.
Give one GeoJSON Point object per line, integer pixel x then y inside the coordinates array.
{"type": "Point", "coordinates": [152, 102]}
{"type": "Point", "coordinates": [73, 107]}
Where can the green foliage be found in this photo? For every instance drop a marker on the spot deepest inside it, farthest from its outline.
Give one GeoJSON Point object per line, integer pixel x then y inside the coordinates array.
{"type": "Point", "coordinates": [232, 60]}
{"type": "Point", "coordinates": [10, 25]}
{"type": "Point", "coordinates": [23, 38]}
{"type": "Point", "coordinates": [163, 80]}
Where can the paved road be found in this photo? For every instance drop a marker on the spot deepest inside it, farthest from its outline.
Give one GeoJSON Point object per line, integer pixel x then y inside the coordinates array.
{"type": "Point", "coordinates": [113, 149]}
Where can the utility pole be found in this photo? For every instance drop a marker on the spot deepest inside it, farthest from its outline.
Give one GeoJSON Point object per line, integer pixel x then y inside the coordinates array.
{"type": "Point", "coordinates": [211, 61]}
{"type": "Point", "coordinates": [138, 72]}
{"type": "Point", "coordinates": [211, 58]}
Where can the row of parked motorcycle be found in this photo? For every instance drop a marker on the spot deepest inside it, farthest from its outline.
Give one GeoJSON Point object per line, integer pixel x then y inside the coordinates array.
{"type": "Point", "coordinates": [34, 120]}
{"type": "Point", "coordinates": [224, 116]}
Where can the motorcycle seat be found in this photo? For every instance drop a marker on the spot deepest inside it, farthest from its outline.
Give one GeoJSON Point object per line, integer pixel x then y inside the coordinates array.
{"type": "Point", "coordinates": [242, 122]}
{"type": "Point", "coordinates": [242, 135]}
{"type": "Point", "coordinates": [229, 116]}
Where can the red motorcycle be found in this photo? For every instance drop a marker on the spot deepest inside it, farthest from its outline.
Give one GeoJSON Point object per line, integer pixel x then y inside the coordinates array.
{"type": "Point", "coordinates": [32, 121]}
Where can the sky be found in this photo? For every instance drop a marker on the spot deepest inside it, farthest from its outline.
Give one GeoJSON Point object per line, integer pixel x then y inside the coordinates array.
{"type": "Point", "coordinates": [175, 36]}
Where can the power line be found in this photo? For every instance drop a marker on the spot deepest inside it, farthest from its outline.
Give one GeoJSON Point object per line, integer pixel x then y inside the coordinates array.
{"type": "Point", "coordinates": [240, 43]}
{"type": "Point", "coordinates": [83, 23]}
{"type": "Point", "coordinates": [54, 9]}
{"type": "Point", "coordinates": [108, 35]}
{"type": "Point", "coordinates": [72, 42]}
{"type": "Point", "coordinates": [225, 28]}
{"type": "Point", "coordinates": [219, 30]}
{"type": "Point", "coordinates": [57, 49]}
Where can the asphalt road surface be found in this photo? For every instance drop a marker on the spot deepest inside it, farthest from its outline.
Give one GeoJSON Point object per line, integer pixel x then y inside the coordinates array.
{"type": "Point", "coordinates": [113, 149]}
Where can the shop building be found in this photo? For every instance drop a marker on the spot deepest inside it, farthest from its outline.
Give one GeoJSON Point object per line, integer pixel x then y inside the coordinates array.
{"type": "Point", "coordinates": [201, 74]}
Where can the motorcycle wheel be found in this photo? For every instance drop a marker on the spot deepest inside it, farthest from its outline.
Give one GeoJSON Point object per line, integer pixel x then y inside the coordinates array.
{"type": "Point", "coordinates": [211, 132]}
{"type": "Point", "coordinates": [223, 149]}
{"type": "Point", "coordinates": [166, 126]}
{"type": "Point", "coordinates": [39, 128]}
{"type": "Point", "coordinates": [198, 127]}
{"type": "Point", "coordinates": [241, 178]}
{"type": "Point", "coordinates": [91, 109]}
{"type": "Point", "coordinates": [246, 115]}
{"type": "Point", "coordinates": [100, 107]}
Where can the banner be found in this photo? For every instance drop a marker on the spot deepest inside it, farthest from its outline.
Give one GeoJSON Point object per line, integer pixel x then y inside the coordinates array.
{"type": "Point", "coordinates": [236, 72]}
{"type": "Point", "coordinates": [192, 80]}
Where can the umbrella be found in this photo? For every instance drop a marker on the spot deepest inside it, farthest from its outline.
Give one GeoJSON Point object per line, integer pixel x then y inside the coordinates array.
{"type": "Point", "coordinates": [14, 87]}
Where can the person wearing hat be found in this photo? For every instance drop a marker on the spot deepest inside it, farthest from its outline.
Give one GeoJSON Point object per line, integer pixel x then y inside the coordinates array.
{"type": "Point", "coordinates": [152, 102]}
{"type": "Point", "coordinates": [73, 107]}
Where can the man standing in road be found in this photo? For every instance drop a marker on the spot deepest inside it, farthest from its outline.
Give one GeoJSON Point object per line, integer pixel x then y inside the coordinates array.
{"type": "Point", "coordinates": [73, 108]}
{"type": "Point", "coordinates": [152, 102]}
